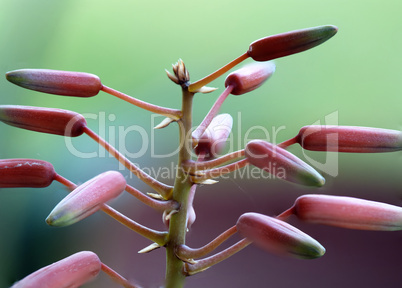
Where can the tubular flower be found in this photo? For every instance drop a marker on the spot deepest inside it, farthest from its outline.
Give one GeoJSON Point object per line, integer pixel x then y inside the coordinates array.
{"type": "Point", "coordinates": [279, 237]}
{"type": "Point", "coordinates": [45, 120]}
{"type": "Point", "coordinates": [249, 77]}
{"type": "Point", "coordinates": [70, 272]}
{"type": "Point", "coordinates": [87, 198]}
{"type": "Point", "coordinates": [25, 173]}
{"type": "Point", "coordinates": [289, 43]}
{"type": "Point", "coordinates": [348, 212]}
{"type": "Point", "coordinates": [281, 163]}
{"type": "Point", "coordinates": [67, 83]}
{"type": "Point", "coordinates": [349, 139]}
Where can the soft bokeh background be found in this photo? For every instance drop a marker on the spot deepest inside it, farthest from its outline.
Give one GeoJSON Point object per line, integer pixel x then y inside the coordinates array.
{"type": "Point", "coordinates": [129, 44]}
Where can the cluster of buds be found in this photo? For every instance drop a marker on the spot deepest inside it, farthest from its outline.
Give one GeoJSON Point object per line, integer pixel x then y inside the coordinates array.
{"type": "Point", "coordinates": [199, 161]}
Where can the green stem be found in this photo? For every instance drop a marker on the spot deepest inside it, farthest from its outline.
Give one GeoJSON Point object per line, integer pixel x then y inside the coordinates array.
{"type": "Point", "coordinates": [178, 223]}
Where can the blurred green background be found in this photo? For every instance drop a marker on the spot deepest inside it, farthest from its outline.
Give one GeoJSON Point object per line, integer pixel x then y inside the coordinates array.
{"type": "Point", "coordinates": [128, 44]}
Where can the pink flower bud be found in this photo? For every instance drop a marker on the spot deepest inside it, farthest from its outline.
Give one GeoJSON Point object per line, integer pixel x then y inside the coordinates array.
{"type": "Point", "coordinates": [348, 212]}
{"type": "Point", "coordinates": [25, 173]}
{"type": "Point", "coordinates": [46, 120]}
{"type": "Point", "coordinates": [278, 237]}
{"type": "Point", "coordinates": [281, 163]}
{"type": "Point", "coordinates": [87, 198]}
{"type": "Point", "coordinates": [57, 82]}
{"type": "Point", "coordinates": [349, 139]}
{"type": "Point", "coordinates": [70, 272]}
{"type": "Point", "coordinates": [213, 140]}
{"type": "Point", "coordinates": [288, 43]}
{"type": "Point", "coordinates": [249, 77]}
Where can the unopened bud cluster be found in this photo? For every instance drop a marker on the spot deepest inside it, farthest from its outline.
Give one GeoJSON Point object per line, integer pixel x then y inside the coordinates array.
{"type": "Point", "coordinates": [207, 141]}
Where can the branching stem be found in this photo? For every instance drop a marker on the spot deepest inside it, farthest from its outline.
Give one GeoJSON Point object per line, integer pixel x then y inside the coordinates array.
{"type": "Point", "coordinates": [171, 113]}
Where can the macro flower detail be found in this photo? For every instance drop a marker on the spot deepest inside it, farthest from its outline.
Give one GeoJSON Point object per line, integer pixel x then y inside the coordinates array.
{"type": "Point", "coordinates": [281, 163]}
{"type": "Point", "coordinates": [87, 198]}
{"type": "Point", "coordinates": [45, 120]}
{"type": "Point", "coordinates": [347, 212]}
{"type": "Point", "coordinates": [349, 139]}
{"type": "Point", "coordinates": [70, 272]}
{"type": "Point", "coordinates": [278, 237]}
{"type": "Point", "coordinates": [25, 173]}
{"type": "Point", "coordinates": [67, 83]}
{"type": "Point", "coordinates": [289, 43]}
{"type": "Point", "coordinates": [249, 77]}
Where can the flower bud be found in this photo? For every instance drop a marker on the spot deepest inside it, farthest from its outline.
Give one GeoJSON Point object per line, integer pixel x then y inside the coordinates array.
{"type": "Point", "coordinates": [288, 43]}
{"type": "Point", "coordinates": [87, 198]}
{"type": "Point", "coordinates": [281, 163]}
{"type": "Point", "coordinates": [348, 212]}
{"type": "Point", "coordinates": [249, 77]}
{"type": "Point", "coordinates": [25, 173]}
{"type": "Point", "coordinates": [213, 140]}
{"type": "Point", "coordinates": [69, 272]}
{"type": "Point", "coordinates": [278, 237]}
{"type": "Point", "coordinates": [349, 139]}
{"type": "Point", "coordinates": [46, 120]}
{"type": "Point", "coordinates": [57, 82]}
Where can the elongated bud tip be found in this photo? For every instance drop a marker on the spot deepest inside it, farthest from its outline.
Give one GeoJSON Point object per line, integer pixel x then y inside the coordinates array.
{"type": "Point", "coordinates": [87, 198]}
{"type": "Point", "coordinates": [45, 120]}
{"type": "Point", "coordinates": [25, 173]}
{"type": "Point", "coordinates": [348, 212]}
{"type": "Point", "coordinates": [352, 139]}
{"type": "Point", "coordinates": [288, 43]}
{"type": "Point", "coordinates": [67, 83]}
{"type": "Point", "coordinates": [249, 77]}
{"type": "Point", "coordinates": [282, 164]}
{"type": "Point", "coordinates": [278, 237]}
{"type": "Point", "coordinates": [73, 271]}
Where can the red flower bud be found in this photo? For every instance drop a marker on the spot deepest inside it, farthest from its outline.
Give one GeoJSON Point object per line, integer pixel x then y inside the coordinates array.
{"type": "Point", "coordinates": [249, 77]}
{"type": "Point", "coordinates": [69, 272]}
{"type": "Point", "coordinates": [87, 198]}
{"type": "Point", "coordinates": [349, 139]}
{"type": "Point", "coordinates": [57, 82]}
{"type": "Point", "coordinates": [288, 43]}
{"type": "Point", "coordinates": [281, 163]}
{"type": "Point", "coordinates": [348, 212]}
{"type": "Point", "coordinates": [25, 173]}
{"type": "Point", "coordinates": [277, 236]}
{"type": "Point", "coordinates": [46, 120]}
{"type": "Point", "coordinates": [214, 138]}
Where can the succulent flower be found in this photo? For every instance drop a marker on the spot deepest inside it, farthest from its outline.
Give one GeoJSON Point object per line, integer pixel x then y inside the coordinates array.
{"type": "Point", "coordinates": [278, 237]}
{"type": "Point", "coordinates": [87, 198]}
{"type": "Point", "coordinates": [57, 82]}
{"type": "Point", "coordinates": [281, 163]}
{"type": "Point", "coordinates": [25, 173]}
{"type": "Point", "coordinates": [349, 139]}
{"type": "Point", "coordinates": [70, 272]}
{"type": "Point", "coordinates": [213, 140]}
{"type": "Point", "coordinates": [46, 120]}
{"type": "Point", "coordinates": [288, 43]}
{"type": "Point", "coordinates": [348, 212]}
{"type": "Point", "coordinates": [249, 77]}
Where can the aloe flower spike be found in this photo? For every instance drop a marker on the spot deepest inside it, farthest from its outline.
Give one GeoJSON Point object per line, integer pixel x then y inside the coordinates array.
{"type": "Point", "coordinates": [281, 163]}
{"type": "Point", "coordinates": [67, 83]}
{"type": "Point", "coordinates": [350, 139]}
{"type": "Point", "coordinates": [289, 43]}
{"type": "Point", "coordinates": [276, 236]}
{"type": "Point", "coordinates": [87, 198]}
{"type": "Point", "coordinates": [69, 272]}
{"type": "Point", "coordinates": [347, 212]}
{"type": "Point", "coordinates": [26, 173]}
{"type": "Point", "coordinates": [45, 120]}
